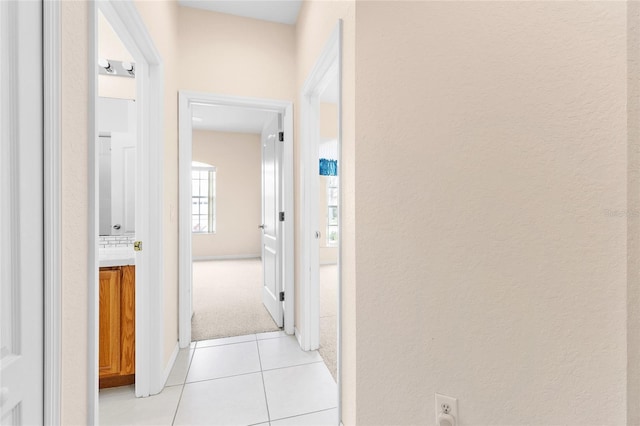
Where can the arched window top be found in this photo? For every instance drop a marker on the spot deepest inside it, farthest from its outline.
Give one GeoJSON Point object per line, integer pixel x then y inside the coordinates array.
{"type": "Point", "coordinates": [196, 165]}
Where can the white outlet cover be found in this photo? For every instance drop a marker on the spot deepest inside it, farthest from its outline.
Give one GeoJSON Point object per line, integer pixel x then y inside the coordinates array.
{"type": "Point", "coordinates": [451, 402]}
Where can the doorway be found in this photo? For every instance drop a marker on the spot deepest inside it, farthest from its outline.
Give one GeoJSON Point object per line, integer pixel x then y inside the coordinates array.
{"type": "Point", "coordinates": [228, 225]}
{"type": "Point", "coordinates": [276, 269]}
{"type": "Point", "coordinates": [321, 167]}
{"type": "Point", "coordinates": [142, 210]}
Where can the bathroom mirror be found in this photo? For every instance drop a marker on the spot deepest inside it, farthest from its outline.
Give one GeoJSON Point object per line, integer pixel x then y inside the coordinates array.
{"type": "Point", "coordinates": [117, 166]}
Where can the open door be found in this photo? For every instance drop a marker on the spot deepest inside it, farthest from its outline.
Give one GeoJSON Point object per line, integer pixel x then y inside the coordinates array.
{"type": "Point", "coordinates": [272, 150]}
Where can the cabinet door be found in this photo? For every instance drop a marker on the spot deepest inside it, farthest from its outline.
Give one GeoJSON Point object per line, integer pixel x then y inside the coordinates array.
{"type": "Point", "coordinates": [110, 309]}
{"type": "Point", "coordinates": [127, 318]}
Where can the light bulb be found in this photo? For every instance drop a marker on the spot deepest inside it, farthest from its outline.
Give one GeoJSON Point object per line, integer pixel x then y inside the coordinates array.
{"type": "Point", "coordinates": [104, 63]}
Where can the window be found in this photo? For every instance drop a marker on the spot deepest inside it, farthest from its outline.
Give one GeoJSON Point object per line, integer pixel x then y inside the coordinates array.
{"type": "Point", "coordinates": [332, 212]}
{"type": "Point", "coordinates": [203, 198]}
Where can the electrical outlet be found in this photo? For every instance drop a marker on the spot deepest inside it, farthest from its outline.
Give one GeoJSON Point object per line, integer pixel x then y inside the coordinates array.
{"type": "Point", "coordinates": [446, 405]}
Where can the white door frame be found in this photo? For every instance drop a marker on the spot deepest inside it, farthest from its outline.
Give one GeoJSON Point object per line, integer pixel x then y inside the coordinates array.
{"type": "Point", "coordinates": [185, 271]}
{"type": "Point", "coordinates": [327, 66]}
{"type": "Point", "coordinates": [52, 218]}
{"type": "Point", "coordinates": [22, 188]}
{"type": "Point", "coordinates": [128, 24]}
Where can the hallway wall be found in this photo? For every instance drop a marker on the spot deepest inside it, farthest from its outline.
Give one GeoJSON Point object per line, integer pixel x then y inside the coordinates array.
{"type": "Point", "coordinates": [232, 55]}
{"type": "Point", "coordinates": [501, 127]}
{"type": "Point", "coordinates": [74, 203]}
{"type": "Point", "coordinates": [316, 21]}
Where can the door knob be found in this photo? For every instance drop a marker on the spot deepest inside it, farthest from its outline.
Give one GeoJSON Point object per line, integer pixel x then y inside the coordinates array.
{"type": "Point", "coordinates": [137, 246]}
{"type": "Point", "coordinates": [261, 226]}
{"type": "Point", "coordinates": [318, 235]}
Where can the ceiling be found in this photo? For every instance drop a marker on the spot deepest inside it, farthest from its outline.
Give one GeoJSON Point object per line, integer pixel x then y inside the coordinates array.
{"type": "Point", "coordinates": [229, 119]}
{"type": "Point", "coordinates": [281, 11]}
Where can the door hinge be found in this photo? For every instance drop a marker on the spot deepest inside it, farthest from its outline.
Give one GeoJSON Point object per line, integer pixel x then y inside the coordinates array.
{"type": "Point", "coordinates": [282, 296]}
{"type": "Point", "coordinates": [281, 216]}
{"type": "Point", "coordinates": [281, 136]}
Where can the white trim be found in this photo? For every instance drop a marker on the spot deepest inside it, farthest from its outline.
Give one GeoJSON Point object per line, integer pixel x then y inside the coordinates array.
{"type": "Point", "coordinates": [328, 65]}
{"type": "Point", "coordinates": [172, 361]}
{"type": "Point", "coordinates": [298, 337]}
{"type": "Point", "coordinates": [52, 223]}
{"type": "Point", "coordinates": [127, 22]}
{"type": "Point", "coordinates": [227, 257]}
{"type": "Point", "coordinates": [93, 275]}
{"type": "Point", "coordinates": [325, 69]}
{"type": "Point", "coordinates": [185, 274]}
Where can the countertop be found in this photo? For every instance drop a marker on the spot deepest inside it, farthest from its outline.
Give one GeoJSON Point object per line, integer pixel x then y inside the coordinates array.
{"type": "Point", "coordinates": [116, 256]}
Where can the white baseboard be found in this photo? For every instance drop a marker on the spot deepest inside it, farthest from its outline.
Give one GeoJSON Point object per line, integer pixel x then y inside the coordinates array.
{"type": "Point", "coordinates": [169, 367]}
{"type": "Point", "coordinates": [226, 257]}
{"type": "Point", "coordinates": [298, 337]}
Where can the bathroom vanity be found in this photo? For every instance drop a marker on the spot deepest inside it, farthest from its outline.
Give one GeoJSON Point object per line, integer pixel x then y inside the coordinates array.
{"type": "Point", "coordinates": [117, 326]}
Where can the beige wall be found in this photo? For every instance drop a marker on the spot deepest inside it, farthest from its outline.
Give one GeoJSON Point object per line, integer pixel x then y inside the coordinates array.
{"type": "Point", "coordinates": [633, 220]}
{"type": "Point", "coordinates": [513, 154]}
{"type": "Point", "coordinates": [237, 158]}
{"type": "Point", "coordinates": [160, 18]}
{"type": "Point", "coordinates": [501, 279]}
{"type": "Point", "coordinates": [231, 55]}
{"type": "Point", "coordinates": [74, 211]}
{"type": "Point", "coordinates": [328, 120]}
{"type": "Point", "coordinates": [316, 21]}
{"type": "Point", "coordinates": [110, 47]}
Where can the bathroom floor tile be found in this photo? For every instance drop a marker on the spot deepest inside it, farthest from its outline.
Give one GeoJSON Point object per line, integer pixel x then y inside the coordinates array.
{"type": "Point", "coordinates": [180, 367]}
{"type": "Point", "coordinates": [299, 390]}
{"type": "Point", "coordinates": [230, 401]}
{"type": "Point", "coordinates": [224, 361]}
{"type": "Point", "coordinates": [284, 352]}
{"type": "Point", "coordinates": [226, 341]}
{"type": "Point", "coordinates": [119, 406]}
{"type": "Point", "coordinates": [271, 335]}
{"type": "Point", "coordinates": [320, 418]}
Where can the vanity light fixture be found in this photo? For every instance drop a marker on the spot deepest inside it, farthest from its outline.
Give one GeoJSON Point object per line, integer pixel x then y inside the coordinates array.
{"type": "Point", "coordinates": [116, 68]}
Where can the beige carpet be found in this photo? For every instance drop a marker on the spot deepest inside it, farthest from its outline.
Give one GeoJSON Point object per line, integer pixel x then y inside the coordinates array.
{"type": "Point", "coordinates": [328, 317]}
{"type": "Point", "coordinates": [227, 299]}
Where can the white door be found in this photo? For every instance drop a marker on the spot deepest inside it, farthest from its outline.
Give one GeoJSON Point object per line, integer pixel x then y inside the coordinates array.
{"type": "Point", "coordinates": [21, 217]}
{"type": "Point", "coordinates": [123, 183]}
{"type": "Point", "coordinates": [272, 150]}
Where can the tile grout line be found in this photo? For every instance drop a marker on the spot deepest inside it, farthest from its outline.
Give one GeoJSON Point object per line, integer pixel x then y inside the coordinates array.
{"type": "Point", "coordinates": [223, 377]}
{"type": "Point", "coordinates": [294, 365]}
{"type": "Point", "coordinates": [184, 382]}
{"type": "Point", "coordinates": [305, 414]}
{"type": "Point", "coordinates": [235, 343]}
{"type": "Point", "coordinates": [264, 388]}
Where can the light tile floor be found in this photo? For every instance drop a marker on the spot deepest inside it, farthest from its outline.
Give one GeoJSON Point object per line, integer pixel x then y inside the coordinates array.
{"type": "Point", "coordinates": [263, 379]}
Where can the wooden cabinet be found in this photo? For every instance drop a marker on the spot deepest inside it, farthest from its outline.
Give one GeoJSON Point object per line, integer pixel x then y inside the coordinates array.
{"type": "Point", "coordinates": [117, 326]}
